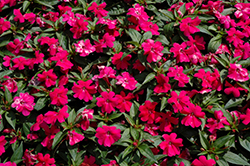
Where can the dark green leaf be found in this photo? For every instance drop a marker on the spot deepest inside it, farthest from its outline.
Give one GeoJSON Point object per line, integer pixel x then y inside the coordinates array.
{"type": "Point", "coordinates": [43, 3]}
{"type": "Point", "coordinates": [222, 141]}
{"type": "Point", "coordinates": [234, 159]}
{"type": "Point", "coordinates": [214, 43]}
{"type": "Point", "coordinates": [25, 5]}
{"type": "Point", "coordinates": [204, 142]}
{"type": "Point", "coordinates": [129, 119]}
{"type": "Point", "coordinates": [245, 144]}
{"type": "Point", "coordinates": [163, 103]}
{"type": "Point", "coordinates": [145, 151]}
{"type": "Point", "coordinates": [18, 153]}
{"type": "Point", "coordinates": [203, 29]}
{"type": "Point", "coordinates": [62, 40]}
{"type": "Point", "coordinates": [183, 8]}
{"type": "Point", "coordinates": [58, 137]}
{"type": "Point", "coordinates": [162, 39]}
{"type": "Point", "coordinates": [8, 95]}
{"type": "Point", "coordinates": [40, 104]}
{"type": "Point", "coordinates": [234, 102]}
{"type": "Point", "coordinates": [135, 35]}
{"type": "Point", "coordinates": [114, 116]}
{"type": "Point", "coordinates": [127, 151]}
{"type": "Point", "coordinates": [167, 14]}
{"type": "Point", "coordinates": [169, 29]}
{"type": "Point", "coordinates": [147, 35]}
{"type": "Point", "coordinates": [221, 61]}
{"type": "Point", "coordinates": [11, 119]}
{"type": "Point", "coordinates": [135, 134]}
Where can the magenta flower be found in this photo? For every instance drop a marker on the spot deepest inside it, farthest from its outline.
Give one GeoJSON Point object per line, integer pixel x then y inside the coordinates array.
{"type": "Point", "coordinates": [108, 40]}
{"type": "Point", "coordinates": [192, 113]}
{"type": "Point", "coordinates": [49, 77]}
{"type": "Point", "coordinates": [138, 12]}
{"type": "Point", "coordinates": [171, 145]}
{"type": "Point", "coordinates": [51, 116]}
{"type": "Point", "coordinates": [235, 90]}
{"type": "Point", "coordinates": [8, 164]}
{"type": "Point", "coordinates": [4, 25]}
{"type": "Point", "coordinates": [188, 26]}
{"type": "Point", "coordinates": [237, 73]}
{"type": "Point", "coordinates": [124, 102]}
{"type": "Point", "coordinates": [153, 50]}
{"type": "Point", "coordinates": [84, 48]}
{"type": "Point", "coordinates": [107, 102]}
{"type": "Point", "coordinates": [235, 36]}
{"type": "Point", "coordinates": [86, 114]}
{"type": "Point", "coordinates": [38, 124]}
{"type": "Point", "coordinates": [78, 28]}
{"type": "Point", "coordinates": [10, 83]}
{"type": "Point", "coordinates": [61, 59]}
{"type": "Point", "coordinates": [243, 11]}
{"type": "Point", "coordinates": [180, 52]}
{"type": "Point", "coordinates": [127, 81]}
{"type": "Point", "coordinates": [2, 143]}
{"type": "Point", "coordinates": [18, 16]}
{"type": "Point", "coordinates": [107, 135]}
{"type": "Point", "coordinates": [121, 64]}
{"type": "Point", "coordinates": [180, 101]}
{"type": "Point", "coordinates": [59, 96]}
{"type": "Point", "coordinates": [24, 103]}
{"type": "Point", "coordinates": [178, 75]}
{"type": "Point", "coordinates": [50, 134]}
{"type": "Point", "coordinates": [29, 159]}
{"type": "Point", "coordinates": [89, 161]}
{"type": "Point", "coordinates": [149, 26]}
{"type": "Point", "coordinates": [31, 17]}
{"type": "Point", "coordinates": [45, 160]}
{"type": "Point", "coordinates": [74, 137]}
{"type": "Point", "coordinates": [166, 121]}
{"type": "Point", "coordinates": [84, 90]}
{"type": "Point", "coordinates": [148, 113]}
{"type": "Point", "coordinates": [162, 84]}
{"type": "Point", "coordinates": [243, 51]}
{"type": "Point", "coordinates": [203, 161]}
{"type": "Point", "coordinates": [246, 117]}
{"type": "Point", "coordinates": [98, 9]}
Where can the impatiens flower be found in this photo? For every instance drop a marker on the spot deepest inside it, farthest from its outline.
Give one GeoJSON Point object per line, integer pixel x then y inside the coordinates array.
{"type": "Point", "coordinates": [217, 123]}
{"type": "Point", "coordinates": [235, 90]}
{"type": "Point", "coordinates": [148, 113]}
{"type": "Point", "coordinates": [121, 63]}
{"type": "Point", "coordinates": [59, 96]}
{"type": "Point", "coordinates": [50, 134]}
{"type": "Point", "coordinates": [108, 40]}
{"type": "Point", "coordinates": [24, 103]}
{"type": "Point", "coordinates": [28, 158]}
{"type": "Point", "coordinates": [4, 25]}
{"type": "Point", "coordinates": [84, 48]}
{"type": "Point", "coordinates": [246, 117]}
{"type": "Point", "coordinates": [85, 115]}
{"type": "Point", "coordinates": [19, 63]}
{"type": "Point", "coordinates": [31, 17]}
{"type": "Point", "coordinates": [153, 50]}
{"type": "Point", "coordinates": [178, 75]}
{"type": "Point", "coordinates": [235, 36]}
{"type": "Point", "coordinates": [243, 11]}
{"type": "Point", "coordinates": [61, 59]}
{"type": "Point", "coordinates": [192, 113]}
{"type": "Point", "coordinates": [127, 81]}
{"type": "Point", "coordinates": [188, 26]}
{"type": "Point", "coordinates": [45, 160]}
{"type": "Point", "coordinates": [243, 51]}
{"type": "Point", "coordinates": [180, 101]}
{"type": "Point", "coordinates": [107, 135]}
{"type": "Point", "coordinates": [8, 164]}
{"type": "Point", "coordinates": [38, 124]}
{"type": "Point", "coordinates": [10, 83]}
{"type": "Point", "coordinates": [237, 73]}
{"type": "Point", "coordinates": [124, 102]}
{"type": "Point", "coordinates": [18, 16]}
{"type": "Point", "coordinates": [49, 77]}
{"type": "Point", "coordinates": [180, 52]}
{"type": "Point", "coordinates": [162, 84]}
{"type": "Point", "coordinates": [74, 137]}
{"type": "Point", "coordinates": [171, 145]}
{"type": "Point", "coordinates": [151, 129]}
{"type": "Point", "coordinates": [105, 73]}
{"type": "Point", "coordinates": [111, 163]}
{"type": "Point", "coordinates": [203, 162]}
{"type": "Point", "coordinates": [84, 90]}
{"type": "Point", "coordinates": [51, 116]}
{"type": "Point", "coordinates": [88, 161]}
{"type": "Point", "coordinates": [149, 26]}
{"type": "Point", "coordinates": [98, 9]}
{"type": "Point", "coordinates": [107, 102]}
{"type": "Point", "coordinates": [138, 12]}
{"type": "Point", "coordinates": [166, 121]}
{"type": "Point", "coordinates": [2, 143]}
{"type": "Point", "coordinates": [138, 65]}
{"type": "Point", "coordinates": [78, 28]}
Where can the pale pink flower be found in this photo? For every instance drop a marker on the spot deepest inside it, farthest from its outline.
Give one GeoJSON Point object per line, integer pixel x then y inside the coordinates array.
{"type": "Point", "coordinates": [74, 137]}
{"type": "Point", "coordinates": [237, 73]}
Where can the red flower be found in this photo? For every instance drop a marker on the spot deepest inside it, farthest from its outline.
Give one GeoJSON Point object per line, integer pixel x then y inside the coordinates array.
{"type": "Point", "coordinates": [153, 50]}
{"type": "Point", "coordinates": [18, 16]}
{"type": "Point", "coordinates": [59, 96]}
{"type": "Point", "coordinates": [203, 162]}
{"type": "Point", "coordinates": [178, 75]}
{"type": "Point", "coordinates": [171, 145]}
{"type": "Point", "coordinates": [235, 36]}
{"type": "Point", "coordinates": [237, 73]}
{"type": "Point", "coordinates": [162, 86]}
{"type": "Point", "coordinates": [166, 122]}
{"type": "Point", "coordinates": [187, 25]}
{"type": "Point", "coordinates": [79, 26]}
{"type": "Point", "coordinates": [180, 101]}
{"type": "Point", "coordinates": [28, 158]}
{"type": "Point", "coordinates": [98, 9]}
{"type": "Point", "coordinates": [124, 103]}
{"type": "Point", "coordinates": [138, 12]}
{"type": "Point", "coordinates": [148, 113]}
{"type": "Point", "coordinates": [4, 25]}
{"type": "Point", "coordinates": [51, 116]}
{"type": "Point", "coordinates": [121, 63]}
{"type": "Point", "coordinates": [50, 134]}
{"type": "Point", "coordinates": [84, 90]}
{"type": "Point", "coordinates": [45, 160]}
{"type": "Point", "coordinates": [127, 81]}
{"type": "Point", "coordinates": [49, 77]}
{"type": "Point", "coordinates": [74, 137]}
{"type": "Point", "coordinates": [107, 102]}
{"type": "Point", "coordinates": [2, 143]}
{"type": "Point", "coordinates": [61, 59]}
{"type": "Point", "coordinates": [235, 90]}
{"type": "Point", "coordinates": [107, 135]}
{"type": "Point", "coordinates": [180, 52]}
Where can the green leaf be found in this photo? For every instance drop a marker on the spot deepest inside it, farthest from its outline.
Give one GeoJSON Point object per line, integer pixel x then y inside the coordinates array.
{"type": "Point", "coordinates": [5, 73]}
{"type": "Point", "coordinates": [8, 95]}
{"type": "Point", "coordinates": [163, 103]}
{"type": "Point", "coordinates": [169, 29]}
{"type": "Point", "coordinates": [203, 29]}
{"type": "Point", "coordinates": [58, 137]}
{"type": "Point", "coordinates": [18, 153]}
{"type": "Point", "coordinates": [11, 119]}
{"type": "Point", "coordinates": [234, 102]}
{"type": "Point", "coordinates": [147, 35]}
{"type": "Point", "coordinates": [62, 40]}
{"type": "Point", "coordinates": [114, 116]}
{"type": "Point", "coordinates": [221, 61]}
{"type": "Point", "coordinates": [25, 5]}
{"type": "Point", "coordinates": [135, 134]}
{"type": "Point", "coordinates": [204, 142]}
{"type": "Point", "coordinates": [127, 151]}
{"type": "Point", "coordinates": [135, 35]}
{"type": "Point", "coordinates": [162, 39]}
{"type": "Point", "coordinates": [133, 111]}
{"type": "Point", "coordinates": [145, 151]}
{"type": "Point", "coordinates": [40, 104]}
{"type": "Point", "coordinates": [167, 14]}
{"type": "Point", "coordinates": [183, 8]}
{"type": "Point", "coordinates": [222, 162]}
{"type": "Point", "coordinates": [222, 141]}
{"type": "Point", "coordinates": [72, 116]}
{"type": "Point", "coordinates": [214, 43]}
{"type": "Point", "coordinates": [235, 159]}
{"type": "Point", "coordinates": [129, 119]}
{"type": "Point", "coordinates": [245, 144]}
{"type": "Point", "coordinates": [73, 151]}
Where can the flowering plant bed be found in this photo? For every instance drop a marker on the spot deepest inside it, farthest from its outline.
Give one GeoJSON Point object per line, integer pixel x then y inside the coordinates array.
{"type": "Point", "coordinates": [128, 83]}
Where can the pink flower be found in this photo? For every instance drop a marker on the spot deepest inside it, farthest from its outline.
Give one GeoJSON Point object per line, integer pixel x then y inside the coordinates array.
{"type": "Point", "coordinates": [148, 113]}
{"type": "Point", "coordinates": [29, 159]}
{"type": "Point", "coordinates": [243, 51]}
{"type": "Point", "coordinates": [138, 12]}
{"type": "Point", "coordinates": [127, 81]}
{"type": "Point", "coordinates": [38, 124]}
{"type": "Point", "coordinates": [235, 90]}
{"type": "Point", "coordinates": [187, 25]}
{"type": "Point", "coordinates": [74, 137]}
{"type": "Point", "coordinates": [203, 162]}
{"type": "Point", "coordinates": [192, 114]}
{"type": "Point", "coordinates": [162, 84]}
{"type": "Point", "coordinates": [45, 160]}
{"type": "Point", "coordinates": [89, 161]}
{"type": "Point", "coordinates": [19, 63]}
{"type": "Point", "coordinates": [153, 50]}
{"type": "Point", "coordinates": [138, 65]}
{"type": "Point", "coordinates": [124, 102]}
{"type": "Point", "coordinates": [178, 75]}
{"type": "Point", "coordinates": [107, 135]}
{"type": "Point", "coordinates": [151, 129]}
{"type": "Point", "coordinates": [2, 143]}
{"type": "Point", "coordinates": [86, 114]}
{"type": "Point", "coordinates": [31, 17]}
{"type": "Point", "coordinates": [59, 96]}
{"type": "Point", "coordinates": [24, 103]}
{"type": "Point", "coordinates": [243, 11]}
{"type": "Point", "coordinates": [78, 28]}
{"type": "Point", "coordinates": [166, 121]}
{"type": "Point", "coordinates": [18, 16]}
{"type": "Point", "coordinates": [51, 116]}
{"type": "Point", "coordinates": [180, 52]}
{"type": "Point", "coordinates": [84, 48]}
{"type": "Point", "coordinates": [111, 163]}
{"type": "Point", "coordinates": [108, 40]}
{"type": "Point", "coordinates": [237, 73]}
{"type": "Point", "coordinates": [4, 25]}
{"type": "Point", "coordinates": [107, 102]}
{"type": "Point", "coordinates": [180, 101]}
{"type": "Point", "coordinates": [121, 63]}
{"type": "Point", "coordinates": [84, 90]}
{"type": "Point", "coordinates": [98, 9]}
{"type": "Point", "coordinates": [49, 77]}
{"type": "Point", "coordinates": [61, 59]}
{"type": "Point", "coordinates": [8, 164]}
{"type": "Point", "coordinates": [10, 83]}
{"type": "Point", "coordinates": [149, 26]}
{"type": "Point", "coordinates": [50, 134]}
{"type": "Point", "coordinates": [235, 36]}
{"type": "Point", "coordinates": [171, 145]}
{"type": "Point", "coordinates": [246, 117]}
